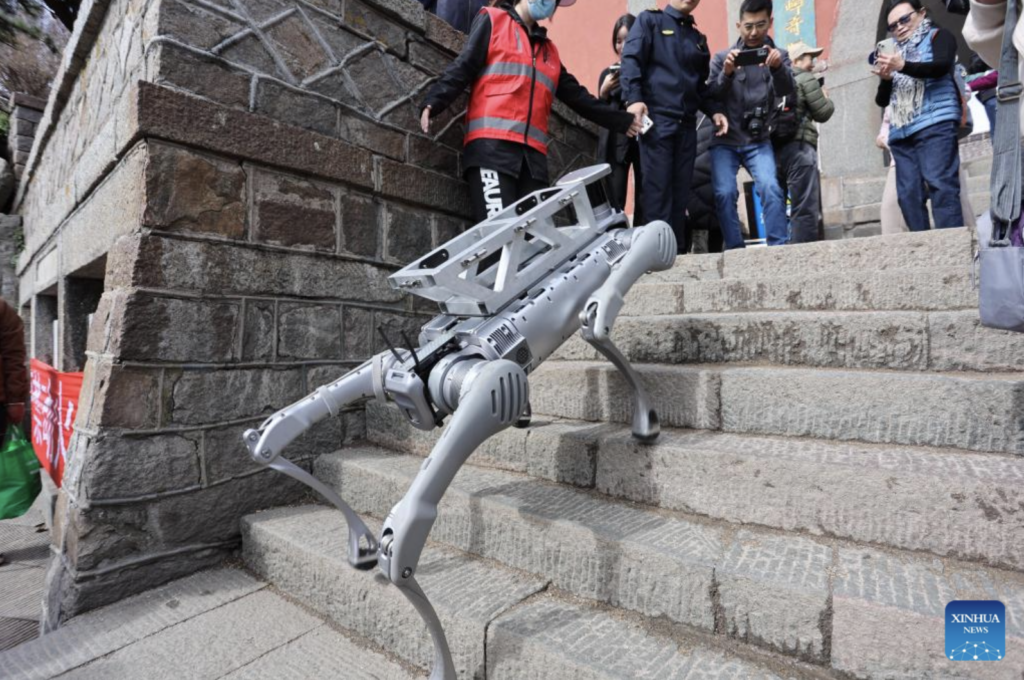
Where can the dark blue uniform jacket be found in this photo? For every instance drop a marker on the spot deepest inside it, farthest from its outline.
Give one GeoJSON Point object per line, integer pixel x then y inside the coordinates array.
{"type": "Point", "coordinates": [665, 64]}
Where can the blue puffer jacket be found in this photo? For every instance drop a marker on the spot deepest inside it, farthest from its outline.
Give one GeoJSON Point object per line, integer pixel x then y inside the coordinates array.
{"type": "Point", "coordinates": [941, 100]}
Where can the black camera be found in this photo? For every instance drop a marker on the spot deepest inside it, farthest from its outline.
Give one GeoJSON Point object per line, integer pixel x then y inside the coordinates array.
{"type": "Point", "coordinates": [958, 6]}
{"type": "Point", "coordinates": [754, 121]}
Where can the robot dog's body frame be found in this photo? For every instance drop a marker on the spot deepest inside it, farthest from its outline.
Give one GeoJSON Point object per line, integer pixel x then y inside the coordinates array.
{"type": "Point", "coordinates": [511, 291]}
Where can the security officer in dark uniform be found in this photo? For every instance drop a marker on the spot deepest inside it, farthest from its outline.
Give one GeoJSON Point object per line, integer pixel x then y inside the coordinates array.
{"type": "Point", "coordinates": [665, 67]}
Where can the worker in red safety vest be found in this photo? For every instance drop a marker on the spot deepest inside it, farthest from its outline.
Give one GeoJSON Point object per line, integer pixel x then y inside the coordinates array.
{"type": "Point", "coordinates": [516, 74]}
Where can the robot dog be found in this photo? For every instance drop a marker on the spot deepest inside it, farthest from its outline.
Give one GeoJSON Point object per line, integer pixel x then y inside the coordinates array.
{"type": "Point", "coordinates": [511, 291]}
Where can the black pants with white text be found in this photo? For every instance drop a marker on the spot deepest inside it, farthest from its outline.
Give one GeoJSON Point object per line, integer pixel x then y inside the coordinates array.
{"type": "Point", "coordinates": [491, 191]}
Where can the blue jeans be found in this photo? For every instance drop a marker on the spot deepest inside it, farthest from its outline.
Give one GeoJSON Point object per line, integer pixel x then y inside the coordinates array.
{"type": "Point", "coordinates": [990, 111]}
{"type": "Point", "coordinates": [929, 158]}
{"type": "Point", "coordinates": [759, 160]}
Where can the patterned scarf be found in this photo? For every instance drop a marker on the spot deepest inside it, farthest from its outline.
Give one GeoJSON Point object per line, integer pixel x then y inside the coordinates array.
{"type": "Point", "coordinates": [907, 91]}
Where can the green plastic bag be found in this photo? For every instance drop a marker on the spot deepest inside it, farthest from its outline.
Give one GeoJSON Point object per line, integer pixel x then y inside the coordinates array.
{"type": "Point", "coordinates": [19, 474]}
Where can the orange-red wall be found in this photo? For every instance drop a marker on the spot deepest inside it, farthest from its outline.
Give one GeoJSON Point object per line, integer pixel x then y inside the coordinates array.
{"type": "Point", "coordinates": [583, 32]}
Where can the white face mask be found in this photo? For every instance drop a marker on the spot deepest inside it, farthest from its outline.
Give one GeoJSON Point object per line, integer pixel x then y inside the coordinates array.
{"type": "Point", "coordinates": [542, 9]}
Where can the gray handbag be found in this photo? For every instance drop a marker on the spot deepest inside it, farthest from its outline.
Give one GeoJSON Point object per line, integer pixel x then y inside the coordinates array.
{"type": "Point", "coordinates": [1001, 250]}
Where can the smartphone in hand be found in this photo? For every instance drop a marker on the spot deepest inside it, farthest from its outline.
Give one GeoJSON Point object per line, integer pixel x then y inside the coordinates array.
{"type": "Point", "coordinates": [646, 124]}
{"type": "Point", "coordinates": [752, 57]}
{"type": "Point", "coordinates": [887, 46]}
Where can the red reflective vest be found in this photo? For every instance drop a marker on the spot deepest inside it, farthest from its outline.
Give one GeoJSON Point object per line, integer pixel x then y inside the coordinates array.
{"type": "Point", "coordinates": [512, 97]}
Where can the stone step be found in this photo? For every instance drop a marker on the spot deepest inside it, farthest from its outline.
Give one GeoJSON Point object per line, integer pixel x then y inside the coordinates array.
{"type": "Point", "coordinates": [863, 190]}
{"type": "Point", "coordinates": [957, 504]}
{"type": "Point", "coordinates": [981, 202]}
{"type": "Point", "coordinates": [981, 167]}
{"type": "Point", "coordinates": [929, 289]}
{"type": "Point", "coordinates": [222, 623]}
{"type": "Point", "coordinates": [302, 551]}
{"type": "Point", "coordinates": [908, 341]}
{"type": "Point", "coordinates": [813, 599]}
{"type": "Point", "coordinates": [637, 559]}
{"type": "Point", "coordinates": [553, 638]}
{"type": "Point", "coordinates": [978, 184]}
{"type": "Point", "coordinates": [976, 411]}
{"type": "Point", "coordinates": [499, 622]}
{"type": "Point", "coordinates": [929, 249]}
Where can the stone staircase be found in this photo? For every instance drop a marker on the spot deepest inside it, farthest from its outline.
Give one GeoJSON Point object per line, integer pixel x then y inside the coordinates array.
{"type": "Point", "coordinates": [840, 458]}
{"type": "Point", "coordinates": [853, 205]}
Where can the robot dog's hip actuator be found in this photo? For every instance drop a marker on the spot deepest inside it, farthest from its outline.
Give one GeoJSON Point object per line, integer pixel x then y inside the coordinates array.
{"type": "Point", "coordinates": [511, 290]}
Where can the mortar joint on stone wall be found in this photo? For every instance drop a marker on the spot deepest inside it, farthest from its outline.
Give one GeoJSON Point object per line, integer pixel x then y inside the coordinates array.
{"type": "Point", "coordinates": [231, 41]}
{"type": "Point", "coordinates": [278, 18]}
{"type": "Point", "coordinates": [218, 9]}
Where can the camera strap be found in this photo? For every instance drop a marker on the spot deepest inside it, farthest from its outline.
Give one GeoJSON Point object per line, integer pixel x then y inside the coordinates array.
{"type": "Point", "coordinates": [1006, 161]}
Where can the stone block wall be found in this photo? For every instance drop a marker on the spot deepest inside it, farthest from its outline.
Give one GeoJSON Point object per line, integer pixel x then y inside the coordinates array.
{"type": "Point", "coordinates": [26, 112]}
{"type": "Point", "coordinates": [248, 175]}
{"type": "Point", "coordinates": [10, 227]}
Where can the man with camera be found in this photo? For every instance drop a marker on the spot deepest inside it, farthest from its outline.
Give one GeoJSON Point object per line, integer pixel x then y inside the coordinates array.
{"type": "Point", "coordinates": [747, 80]}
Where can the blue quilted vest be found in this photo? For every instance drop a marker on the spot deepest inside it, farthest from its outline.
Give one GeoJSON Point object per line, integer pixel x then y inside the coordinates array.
{"type": "Point", "coordinates": [941, 100]}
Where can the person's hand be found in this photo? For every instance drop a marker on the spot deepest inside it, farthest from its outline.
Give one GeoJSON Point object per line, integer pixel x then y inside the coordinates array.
{"type": "Point", "coordinates": [721, 124]}
{"type": "Point", "coordinates": [774, 60]}
{"type": "Point", "coordinates": [609, 84]}
{"type": "Point", "coordinates": [882, 73]}
{"type": "Point", "coordinates": [882, 142]}
{"type": "Point", "coordinates": [892, 63]}
{"type": "Point", "coordinates": [15, 414]}
{"type": "Point", "coordinates": [638, 109]}
{"type": "Point", "coordinates": [425, 120]}
{"type": "Point", "coordinates": [729, 66]}
{"type": "Point", "coordinates": [636, 127]}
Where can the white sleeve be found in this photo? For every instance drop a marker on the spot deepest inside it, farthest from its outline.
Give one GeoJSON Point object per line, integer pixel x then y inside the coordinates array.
{"type": "Point", "coordinates": [983, 31]}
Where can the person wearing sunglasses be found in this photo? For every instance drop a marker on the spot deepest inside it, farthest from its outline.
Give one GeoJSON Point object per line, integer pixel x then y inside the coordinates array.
{"type": "Point", "coordinates": [918, 85]}
{"type": "Point", "coordinates": [516, 73]}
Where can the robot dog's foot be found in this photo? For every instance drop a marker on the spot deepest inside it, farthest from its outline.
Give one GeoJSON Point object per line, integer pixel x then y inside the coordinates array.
{"type": "Point", "coordinates": [524, 418]}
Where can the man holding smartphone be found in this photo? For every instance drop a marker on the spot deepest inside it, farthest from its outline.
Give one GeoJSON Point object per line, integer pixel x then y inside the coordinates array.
{"type": "Point", "coordinates": [664, 73]}
{"type": "Point", "coordinates": [748, 80]}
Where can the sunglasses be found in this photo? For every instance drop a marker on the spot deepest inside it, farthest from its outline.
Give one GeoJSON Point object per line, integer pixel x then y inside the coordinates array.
{"type": "Point", "coordinates": [902, 21]}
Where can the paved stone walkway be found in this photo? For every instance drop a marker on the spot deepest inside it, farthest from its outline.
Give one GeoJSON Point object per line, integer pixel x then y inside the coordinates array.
{"type": "Point", "coordinates": [215, 624]}
{"type": "Point", "coordinates": [25, 543]}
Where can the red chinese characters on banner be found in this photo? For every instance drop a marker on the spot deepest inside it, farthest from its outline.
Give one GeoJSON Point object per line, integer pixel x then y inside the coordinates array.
{"type": "Point", "coordinates": [54, 409]}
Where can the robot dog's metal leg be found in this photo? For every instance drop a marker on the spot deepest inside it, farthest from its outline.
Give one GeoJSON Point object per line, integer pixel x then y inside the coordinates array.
{"type": "Point", "coordinates": [651, 248]}
{"type": "Point", "coordinates": [493, 398]}
{"type": "Point", "coordinates": [266, 444]}
{"type": "Point", "coordinates": [646, 427]}
{"type": "Point", "coordinates": [524, 418]}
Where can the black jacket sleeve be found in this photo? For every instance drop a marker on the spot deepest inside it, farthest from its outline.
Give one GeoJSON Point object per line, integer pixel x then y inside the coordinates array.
{"type": "Point", "coordinates": [884, 94]}
{"type": "Point", "coordinates": [635, 55]}
{"type": "Point", "coordinates": [943, 58]}
{"type": "Point", "coordinates": [461, 73]}
{"type": "Point", "coordinates": [709, 103]}
{"type": "Point", "coordinates": [718, 83]}
{"type": "Point", "coordinates": [600, 81]}
{"type": "Point", "coordinates": [782, 77]}
{"type": "Point", "coordinates": [577, 98]}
